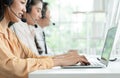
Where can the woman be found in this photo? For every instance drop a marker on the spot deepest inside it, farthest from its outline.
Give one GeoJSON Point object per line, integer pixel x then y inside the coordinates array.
{"type": "Point", "coordinates": [16, 61]}
{"type": "Point", "coordinates": [25, 30]}
{"type": "Point", "coordinates": [43, 22]}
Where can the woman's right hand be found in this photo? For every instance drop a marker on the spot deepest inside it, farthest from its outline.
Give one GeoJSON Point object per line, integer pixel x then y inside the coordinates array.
{"type": "Point", "coordinates": [71, 58]}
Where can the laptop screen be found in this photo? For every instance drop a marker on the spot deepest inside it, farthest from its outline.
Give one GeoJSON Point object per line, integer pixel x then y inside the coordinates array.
{"type": "Point", "coordinates": [108, 43]}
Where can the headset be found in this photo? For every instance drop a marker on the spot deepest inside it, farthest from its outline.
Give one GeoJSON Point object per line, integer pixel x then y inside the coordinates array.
{"type": "Point", "coordinates": [29, 6]}
{"type": "Point", "coordinates": [9, 2]}
{"type": "Point", "coordinates": [44, 9]}
{"type": "Point", "coordinates": [28, 9]}
{"type": "Point", "coordinates": [43, 12]}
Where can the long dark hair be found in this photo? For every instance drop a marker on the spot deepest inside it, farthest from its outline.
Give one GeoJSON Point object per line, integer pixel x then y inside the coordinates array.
{"type": "Point", "coordinates": [3, 5]}
{"type": "Point", "coordinates": [2, 9]}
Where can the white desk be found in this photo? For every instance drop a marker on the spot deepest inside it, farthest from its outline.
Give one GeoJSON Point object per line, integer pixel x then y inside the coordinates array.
{"type": "Point", "coordinates": [112, 71]}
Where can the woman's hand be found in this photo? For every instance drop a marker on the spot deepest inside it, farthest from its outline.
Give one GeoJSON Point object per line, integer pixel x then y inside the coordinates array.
{"type": "Point", "coordinates": [70, 58]}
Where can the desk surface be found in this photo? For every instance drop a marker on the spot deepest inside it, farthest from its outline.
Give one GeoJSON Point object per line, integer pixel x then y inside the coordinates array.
{"type": "Point", "coordinates": [112, 71]}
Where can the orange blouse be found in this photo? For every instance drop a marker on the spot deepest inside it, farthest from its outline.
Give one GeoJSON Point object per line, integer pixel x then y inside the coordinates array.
{"type": "Point", "coordinates": [16, 60]}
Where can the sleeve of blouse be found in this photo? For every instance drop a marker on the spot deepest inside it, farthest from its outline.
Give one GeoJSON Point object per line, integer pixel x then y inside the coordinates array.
{"type": "Point", "coordinates": [14, 67]}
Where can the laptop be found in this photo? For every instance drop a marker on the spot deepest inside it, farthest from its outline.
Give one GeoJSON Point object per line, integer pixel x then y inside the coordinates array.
{"type": "Point", "coordinates": [105, 55]}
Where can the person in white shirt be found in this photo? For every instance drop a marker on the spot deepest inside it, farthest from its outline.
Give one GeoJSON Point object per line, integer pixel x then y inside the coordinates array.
{"type": "Point", "coordinates": [25, 31]}
{"type": "Point", "coordinates": [43, 22]}
{"type": "Point", "coordinates": [25, 34]}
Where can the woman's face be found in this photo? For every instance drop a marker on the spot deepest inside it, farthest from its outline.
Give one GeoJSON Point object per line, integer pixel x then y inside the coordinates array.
{"type": "Point", "coordinates": [16, 10]}
{"type": "Point", "coordinates": [45, 21]}
{"type": "Point", "coordinates": [36, 11]}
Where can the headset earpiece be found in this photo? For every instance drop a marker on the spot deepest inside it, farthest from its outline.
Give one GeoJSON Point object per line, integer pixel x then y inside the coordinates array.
{"type": "Point", "coordinates": [28, 6]}
{"type": "Point", "coordinates": [44, 9]}
{"type": "Point", "coordinates": [8, 2]}
{"type": "Point", "coordinates": [43, 12]}
{"type": "Point", "coordinates": [28, 9]}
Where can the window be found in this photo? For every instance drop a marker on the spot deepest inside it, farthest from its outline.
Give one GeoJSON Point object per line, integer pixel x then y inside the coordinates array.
{"type": "Point", "coordinates": [80, 24]}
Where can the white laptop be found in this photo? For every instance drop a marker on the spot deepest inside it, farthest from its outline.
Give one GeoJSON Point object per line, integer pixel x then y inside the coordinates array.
{"type": "Point", "coordinates": [105, 55]}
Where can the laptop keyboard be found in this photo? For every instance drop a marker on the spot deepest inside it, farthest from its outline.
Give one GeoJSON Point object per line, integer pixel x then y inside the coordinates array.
{"type": "Point", "coordinates": [94, 64]}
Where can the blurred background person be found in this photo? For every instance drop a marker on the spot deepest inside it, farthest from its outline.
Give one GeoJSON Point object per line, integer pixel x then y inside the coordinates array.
{"type": "Point", "coordinates": [43, 22]}
{"type": "Point", "coordinates": [25, 30]}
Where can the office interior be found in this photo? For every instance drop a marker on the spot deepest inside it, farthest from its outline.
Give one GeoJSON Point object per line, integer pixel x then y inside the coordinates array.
{"type": "Point", "coordinates": [81, 25]}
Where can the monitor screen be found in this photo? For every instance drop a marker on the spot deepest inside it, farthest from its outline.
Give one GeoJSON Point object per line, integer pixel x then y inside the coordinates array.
{"type": "Point", "coordinates": [108, 45]}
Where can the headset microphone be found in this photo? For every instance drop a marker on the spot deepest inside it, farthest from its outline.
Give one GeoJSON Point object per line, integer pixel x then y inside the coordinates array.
{"type": "Point", "coordinates": [34, 22]}
{"type": "Point", "coordinates": [14, 13]}
{"type": "Point", "coordinates": [53, 23]}
{"type": "Point", "coordinates": [35, 25]}
{"type": "Point", "coordinates": [23, 20]}
{"type": "Point", "coordinates": [50, 21]}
